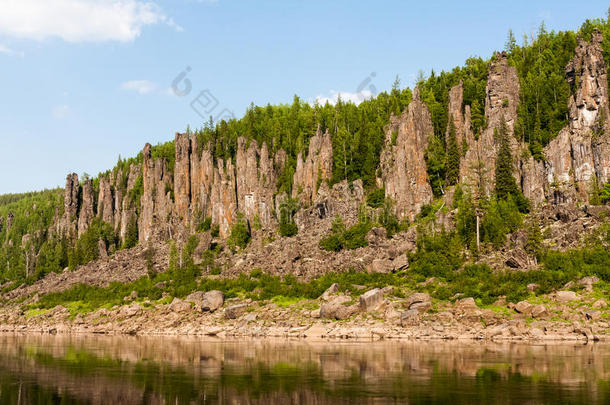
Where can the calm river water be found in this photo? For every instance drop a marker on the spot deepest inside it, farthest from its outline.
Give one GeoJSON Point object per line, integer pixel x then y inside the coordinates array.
{"type": "Point", "coordinates": [37, 369]}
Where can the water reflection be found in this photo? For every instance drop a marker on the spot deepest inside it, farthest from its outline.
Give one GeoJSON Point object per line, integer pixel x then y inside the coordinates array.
{"type": "Point", "coordinates": [46, 369]}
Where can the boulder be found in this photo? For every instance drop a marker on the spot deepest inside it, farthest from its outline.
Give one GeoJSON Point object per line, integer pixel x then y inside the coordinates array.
{"type": "Point", "coordinates": [401, 262]}
{"type": "Point", "coordinates": [179, 305]}
{"type": "Point", "coordinates": [588, 282]}
{"type": "Point", "coordinates": [377, 236]}
{"type": "Point", "coordinates": [212, 300]}
{"type": "Point", "coordinates": [419, 301]}
{"type": "Point", "coordinates": [337, 308]}
{"type": "Point", "coordinates": [207, 301]}
{"type": "Point", "coordinates": [539, 311]}
{"type": "Point", "coordinates": [533, 287]}
{"type": "Point", "coordinates": [466, 304]}
{"type": "Point", "coordinates": [333, 289]}
{"type": "Point", "coordinates": [593, 315]}
{"type": "Point", "coordinates": [409, 317]}
{"type": "Point", "coordinates": [131, 311]}
{"type": "Point", "coordinates": [381, 266]}
{"type": "Point", "coordinates": [566, 296]}
{"type": "Point", "coordinates": [371, 300]}
{"type": "Point", "coordinates": [518, 259]}
{"type": "Point", "coordinates": [600, 304]}
{"type": "Point", "coordinates": [235, 311]}
{"type": "Point", "coordinates": [524, 307]}
{"type": "Point", "coordinates": [388, 289]}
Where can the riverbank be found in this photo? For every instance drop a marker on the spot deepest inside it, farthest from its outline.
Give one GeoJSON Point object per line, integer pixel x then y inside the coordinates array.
{"type": "Point", "coordinates": [375, 314]}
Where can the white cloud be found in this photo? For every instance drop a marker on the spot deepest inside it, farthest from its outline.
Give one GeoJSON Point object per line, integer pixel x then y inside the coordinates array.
{"type": "Point", "coordinates": [61, 111]}
{"type": "Point", "coordinates": [8, 51]}
{"type": "Point", "coordinates": [79, 20]}
{"type": "Point", "coordinates": [346, 96]}
{"type": "Point", "coordinates": [139, 86]}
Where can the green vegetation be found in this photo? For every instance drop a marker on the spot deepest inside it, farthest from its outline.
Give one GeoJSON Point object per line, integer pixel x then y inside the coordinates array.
{"type": "Point", "coordinates": [29, 214]}
{"type": "Point", "coordinates": [506, 186]}
{"type": "Point", "coordinates": [341, 237]}
{"type": "Point", "coordinates": [358, 134]}
{"type": "Point", "coordinates": [87, 247]}
{"type": "Point", "coordinates": [288, 209]}
{"type": "Point", "coordinates": [376, 198]}
{"type": "Point", "coordinates": [453, 156]}
{"type": "Point", "coordinates": [240, 233]}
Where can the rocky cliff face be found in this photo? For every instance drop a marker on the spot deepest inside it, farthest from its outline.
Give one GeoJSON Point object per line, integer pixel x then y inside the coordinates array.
{"type": "Point", "coordinates": [313, 171]}
{"type": "Point", "coordinates": [173, 203]}
{"type": "Point", "coordinates": [86, 210]}
{"type": "Point", "coordinates": [460, 116]}
{"type": "Point", "coordinates": [66, 225]}
{"type": "Point", "coordinates": [580, 154]}
{"type": "Point", "coordinates": [501, 102]}
{"type": "Point", "coordinates": [155, 203]}
{"type": "Point", "coordinates": [403, 165]}
{"type": "Point", "coordinates": [105, 203]}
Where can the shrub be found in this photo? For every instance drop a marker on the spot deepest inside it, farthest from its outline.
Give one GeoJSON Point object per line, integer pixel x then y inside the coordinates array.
{"type": "Point", "coordinates": [240, 233]}
{"type": "Point", "coordinates": [341, 238]}
{"type": "Point", "coordinates": [215, 231]}
{"type": "Point", "coordinates": [205, 225]}
{"type": "Point", "coordinates": [288, 209]}
{"type": "Point", "coordinates": [376, 198]}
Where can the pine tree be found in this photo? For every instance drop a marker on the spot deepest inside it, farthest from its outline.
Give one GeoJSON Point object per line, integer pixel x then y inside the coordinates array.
{"type": "Point", "coordinates": [506, 187]}
{"type": "Point", "coordinates": [478, 119]}
{"type": "Point", "coordinates": [453, 155]}
{"type": "Point", "coordinates": [511, 42]}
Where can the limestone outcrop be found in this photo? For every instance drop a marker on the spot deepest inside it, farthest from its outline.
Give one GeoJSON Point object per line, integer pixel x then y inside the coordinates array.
{"type": "Point", "coordinates": [315, 169]}
{"type": "Point", "coordinates": [86, 210]}
{"type": "Point", "coordinates": [403, 164]}
{"type": "Point", "coordinates": [66, 225]}
{"type": "Point", "coordinates": [580, 154]}
{"type": "Point", "coordinates": [167, 198]}
{"type": "Point", "coordinates": [105, 203]}
{"type": "Point", "coordinates": [155, 203]}
{"type": "Point", "coordinates": [501, 102]}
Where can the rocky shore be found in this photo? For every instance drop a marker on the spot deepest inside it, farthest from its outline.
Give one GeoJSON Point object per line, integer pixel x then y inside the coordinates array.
{"type": "Point", "coordinates": [375, 314]}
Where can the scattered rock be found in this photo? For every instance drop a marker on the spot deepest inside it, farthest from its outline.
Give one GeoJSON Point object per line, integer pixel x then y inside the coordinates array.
{"type": "Point", "coordinates": [600, 304]}
{"type": "Point", "coordinates": [212, 300]}
{"type": "Point", "coordinates": [593, 315]}
{"type": "Point", "coordinates": [334, 288]}
{"type": "Point", "coordinates": [381, 266]}
{"type": "Point", "coordinates": [466, 304]}
{"type": "Point", "coordinates": [409, 317]}
{"type": "Point", "coordinates": [371, 300]}
{"type": "Point", "coordinates": [178, 305]}
{"type": "Point", "coordinates": [336, 308]}
{"type": "Point", "coordinates": [401, 262]}
{"type": "Point", "coordinates": [539, 311]}
{"type": "Point", "coordinates": [532, 287]}
{"type": "Point", "coordinates": [234, 311]}
{"type": "Point", "coordinates": [524, 307]}
{"type": "Point", "coordinates": [566, 296]}
{"type": "Point", "coordinates": [131, 311]}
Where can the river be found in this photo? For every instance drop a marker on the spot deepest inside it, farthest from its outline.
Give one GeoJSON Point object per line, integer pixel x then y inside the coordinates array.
{"type": "Point", "coordinates": [64, 369]}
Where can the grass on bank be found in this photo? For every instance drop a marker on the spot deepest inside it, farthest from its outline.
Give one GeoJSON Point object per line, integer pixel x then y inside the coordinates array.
{"type": "Point", "coordinates": [477, 281]}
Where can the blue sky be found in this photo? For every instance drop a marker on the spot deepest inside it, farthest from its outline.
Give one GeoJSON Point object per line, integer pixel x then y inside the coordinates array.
{"type": "Point", "coordinates": [82, 81]}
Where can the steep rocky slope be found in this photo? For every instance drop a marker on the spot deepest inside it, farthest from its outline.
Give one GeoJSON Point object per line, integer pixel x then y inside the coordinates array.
{"type": "Point", "coordinates": [160, 201]}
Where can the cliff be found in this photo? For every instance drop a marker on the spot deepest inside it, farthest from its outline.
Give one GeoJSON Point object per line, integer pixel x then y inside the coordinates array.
{"type": "Point", "coordinates": [156, 197]}
{"type": "Point", "coordinates": [175, 203]}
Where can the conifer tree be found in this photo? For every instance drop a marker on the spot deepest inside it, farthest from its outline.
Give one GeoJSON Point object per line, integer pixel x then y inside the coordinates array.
{"type": "Point", "coordinates": [453, 155]}
{"type": "Point", "coordinates": [506, 186]}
